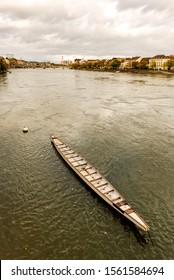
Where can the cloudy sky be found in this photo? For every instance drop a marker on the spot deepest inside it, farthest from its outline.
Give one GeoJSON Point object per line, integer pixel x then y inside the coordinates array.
{"type": "Point", "coordinates": [49, 29]}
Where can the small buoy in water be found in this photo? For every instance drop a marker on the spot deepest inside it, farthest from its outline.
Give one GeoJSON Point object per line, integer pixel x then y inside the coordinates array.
{"type": "Point", "coordinates": [25, 129]}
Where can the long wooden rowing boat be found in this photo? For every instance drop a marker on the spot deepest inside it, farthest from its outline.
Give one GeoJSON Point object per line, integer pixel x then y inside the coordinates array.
{"type": "Point", "coordinates": [98, 183]}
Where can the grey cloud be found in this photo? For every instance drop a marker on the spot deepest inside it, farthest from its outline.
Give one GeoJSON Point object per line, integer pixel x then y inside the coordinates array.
{"type": "Point", "coordinates": [48, 10]}
{"type": "Point", "coordinates": [160, 5]}
{"type": "Point", "coordinates": [101, 27]}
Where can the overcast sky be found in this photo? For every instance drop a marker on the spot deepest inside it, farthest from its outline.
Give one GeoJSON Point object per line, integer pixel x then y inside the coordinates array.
{"type": "Point", "coordinates": [49, 29]}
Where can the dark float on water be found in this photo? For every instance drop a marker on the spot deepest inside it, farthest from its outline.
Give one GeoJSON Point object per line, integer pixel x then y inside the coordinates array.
{"type": "Point", "coordinates": [25, 129]}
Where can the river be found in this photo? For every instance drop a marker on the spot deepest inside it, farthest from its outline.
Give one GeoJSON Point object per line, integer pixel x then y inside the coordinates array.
{"type": "Point", "coordinates": [124, 125]}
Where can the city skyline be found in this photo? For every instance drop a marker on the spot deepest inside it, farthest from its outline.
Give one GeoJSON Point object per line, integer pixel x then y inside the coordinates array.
{"type": "Point", "coordinates": [47, 30]}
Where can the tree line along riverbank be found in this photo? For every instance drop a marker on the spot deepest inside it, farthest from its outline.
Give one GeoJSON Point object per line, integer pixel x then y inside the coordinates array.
{"type": "Point", "coordinates": [131, 66]}
{"type": "Point", "coordinates": [130, 70]}
{"type": "Point", "coordinates": [103, 65]}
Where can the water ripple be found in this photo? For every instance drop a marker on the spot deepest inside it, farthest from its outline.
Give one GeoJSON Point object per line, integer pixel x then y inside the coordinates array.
{"type": "Point", "coordinates": [120, 123]}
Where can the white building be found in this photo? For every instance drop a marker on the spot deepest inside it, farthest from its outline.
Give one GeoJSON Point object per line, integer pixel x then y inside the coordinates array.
{"type": "Point", "coordinates": [158, 63]}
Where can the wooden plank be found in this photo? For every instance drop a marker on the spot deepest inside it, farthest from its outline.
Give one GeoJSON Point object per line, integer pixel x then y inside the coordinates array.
{"type": "Point", "coordinates": [115, 199]}
{"type": "Point", "coordinates": [57, 142]}
{"type": "Point", "coordinates": [71, 160]}
{"type": "Point", "coordinates": [70, 156]}
{"type": "Point", "coordinates": [99, 183]}
{"type": "Point", "coordinates": [61, 146]}
{"type": "Point", "coordinates": [68, 152]}
{"type": "Point", "coordinates": [84, 173]}
{"type": "Point", "coordinates": [81, 164]}
{"type": "Point", "coordinates": [96, 179]}
{"type": "Point", "coordinates": [112, 196]}
{"type": "Point", "coordinates": [92, 171]}
{"type": "Point", "coordinates": [78, 158]}
{"type": "Point", "coordinates": [65, 149]}
{"type": "Point", "coordinates": [85, 167]}
{"type": "Point", "coordinates": [129, 211]}
{"type": "Point", "coordinates": [104, 184]}
{"type": "Point", "coordinates": [89, 178]}
{"type": "Point", "coordinates": [75, 163]}
{"type": "Point", "coordinates": [108, 191]}
{"type": "Point", "coordinates": [92, 179]}
{"type": "Point", "coordinates": [121, 203]}
{"type": "Point", "coordinates": [105, 188]}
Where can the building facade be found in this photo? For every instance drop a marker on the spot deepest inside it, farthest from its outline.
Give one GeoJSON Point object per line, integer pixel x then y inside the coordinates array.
{"type": "Point", "coordinates": [159, 62]}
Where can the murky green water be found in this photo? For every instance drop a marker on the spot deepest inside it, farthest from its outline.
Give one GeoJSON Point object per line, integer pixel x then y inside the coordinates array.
{"type": "Point", "coordinates": [124, 125]}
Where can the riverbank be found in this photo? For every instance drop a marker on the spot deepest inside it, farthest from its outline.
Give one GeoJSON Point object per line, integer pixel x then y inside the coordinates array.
{"type": "Point", "coordinates": [2, 72]}
{"type": "Point", "coordinates": [141, 71]}
{"type": "Point", "coordinates": [133, 71]}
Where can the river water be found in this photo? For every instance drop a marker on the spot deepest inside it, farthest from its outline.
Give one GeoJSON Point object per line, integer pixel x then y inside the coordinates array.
{"type": "Point", "coordinates": [124, 125]}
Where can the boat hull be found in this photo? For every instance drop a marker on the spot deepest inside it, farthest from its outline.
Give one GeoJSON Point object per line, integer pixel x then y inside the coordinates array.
{"type": "Point", "coordinates": [98, 183]}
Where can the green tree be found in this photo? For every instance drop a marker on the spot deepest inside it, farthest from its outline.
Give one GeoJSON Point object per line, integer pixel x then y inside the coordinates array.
{"type": "Point", "coordinates": [115, 63]}
{"type": "Point", "coordinates": [135, 64]}
{"type": "Point", "coordinates": [3, 65]}
{"type": "Point", "coordinates": [153, 65]}
{"type": "Point", "coordinates": [170, 64]}
{"type": "Point", "coordinates": [140, 65]}
{"type": "Point", "coordinates": [143, 65]}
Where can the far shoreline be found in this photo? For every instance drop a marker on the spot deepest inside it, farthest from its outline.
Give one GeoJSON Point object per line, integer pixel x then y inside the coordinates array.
{"type": "Point", "coordinates": [132, 71]}
{"type": "Point", "coordinates": [129, 71]}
